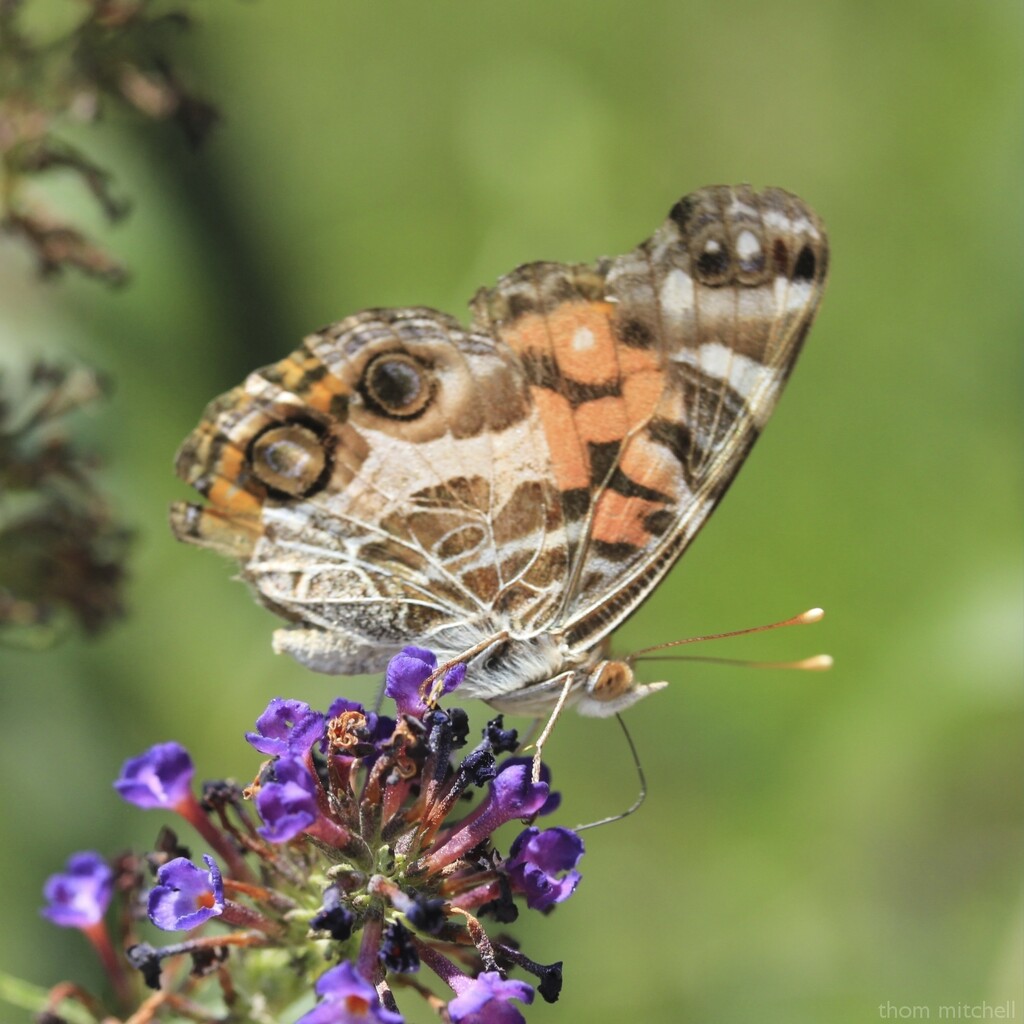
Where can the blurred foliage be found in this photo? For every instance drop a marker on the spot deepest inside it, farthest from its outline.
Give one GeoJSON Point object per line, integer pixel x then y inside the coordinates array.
{"type": "Point", "coordinates": [115, 53]}
{"type": "Point", "coordinates": [61, 551]}
{"type": "Point", "coordinates": [813, 848]}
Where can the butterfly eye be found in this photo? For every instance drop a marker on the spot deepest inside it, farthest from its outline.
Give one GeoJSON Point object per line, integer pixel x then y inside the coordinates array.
{"type": "Point", "coordinates": [397, 385]}
{"type": "Point", "coordinates": [290, 459]}
{"type": "Point", "coordinates": [609, 680]}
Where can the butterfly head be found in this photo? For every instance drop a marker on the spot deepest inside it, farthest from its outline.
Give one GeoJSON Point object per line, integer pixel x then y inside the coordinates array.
{"type": "Point", "coordinates": [610, 687]}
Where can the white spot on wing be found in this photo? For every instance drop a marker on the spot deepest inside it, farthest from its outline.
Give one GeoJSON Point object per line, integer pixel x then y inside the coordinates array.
{"type": "Point", "coordinates": [782, 223]}
{"type": "Point", "coordinates": [677, 293]}
{"type": "Point", "coordinates": [777, 220]}
{"type": "Point", "coordinates": [742, 373]}
{"type": "Point", "coordinates": [747, 245]}
{"type": "Point", "coordinates": [583, 339]}
{"type": "Point", "coordinates": [791, 296]}
{"type": "Point", "coordinates": [754, 382]}
{"type": "Point", "coordinates": [741, 209]}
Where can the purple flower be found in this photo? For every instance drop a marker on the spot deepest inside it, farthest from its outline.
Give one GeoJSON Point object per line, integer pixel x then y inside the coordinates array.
{"type": "Point", "coordinates": [341, 704]}
{"type": "Point", "coordinates": [554, 799]}
{"type": "Point", "coordinates": [486, 1000]}
{"type": "Point", "coordinates": [159, 778]}
{"type": "Point", "coordinates": [347, 998]}
{"type": "Point", "coordinates": [78, 897]}
{"type": "Point", "coordinates": [378, 727]}
{"type": "Point", "coordinates": [513, 794]}
{"type": "Point", "coordinates": [535, 860]}
{"type": "Point", "coordinates": [286, 727]}
{"type": "Point", "coordinates": [185, 896]}
{"type": "Point", "coordinates": [408, 671]}
{"type": "Point", "coordinates": [288, 804]}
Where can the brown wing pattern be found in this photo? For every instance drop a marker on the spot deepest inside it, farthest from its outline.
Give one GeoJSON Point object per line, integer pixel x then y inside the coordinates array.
{"type": "Point", "coordinates": [401, 479]}
{"type": "Point", "coordinates": [386, 483]}
{"type": "Point", "coordinates": [654, 374]}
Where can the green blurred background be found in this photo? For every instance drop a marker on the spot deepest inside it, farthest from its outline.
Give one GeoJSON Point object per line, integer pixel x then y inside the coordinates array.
{"type": "Point", "coordinates": [814, 847]}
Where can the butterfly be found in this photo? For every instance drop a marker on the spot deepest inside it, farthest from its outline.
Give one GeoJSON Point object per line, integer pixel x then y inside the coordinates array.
{"type": "Point", "coordinates": [507, 493]}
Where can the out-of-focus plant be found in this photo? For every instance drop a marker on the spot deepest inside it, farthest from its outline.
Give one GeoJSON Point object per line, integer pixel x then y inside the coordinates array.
{"type": "Point", "coordinates": [61, 550]}
{"type": "Point", "coordinates": [117, 55]}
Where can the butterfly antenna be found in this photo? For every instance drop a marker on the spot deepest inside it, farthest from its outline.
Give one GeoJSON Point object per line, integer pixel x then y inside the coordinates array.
{"type": "Point", "coordinates": [817, 663]}
{"type": "Point", "coordinates": [635, 806]}
{"type": "Point", "coordinates": [812, 615]}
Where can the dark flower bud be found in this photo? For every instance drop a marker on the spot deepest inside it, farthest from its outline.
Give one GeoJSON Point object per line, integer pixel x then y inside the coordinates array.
{"type": "Point", "coordinates": [145, 959]}
{"type": "Point", "coordinates": [479, 766]}
{"type": "Point", "coordinates": [220, 794]}
{"type": "Point", "coordinates": [502, 909]}
{"type": "Point", "coordinates": [459, 726]}
{"type": "Point", "coordinates": [427, 914]}
{"type": "Point", "coordinates": [206, 961]}
{"type": "Point", "coordinates": [550, 987]}
{"type": "Point", "coordinates": [502, 741]}
{"type": "Point", "coordinates": [397, 951]}
{"type": "Point", "coordinates": [334, 917]}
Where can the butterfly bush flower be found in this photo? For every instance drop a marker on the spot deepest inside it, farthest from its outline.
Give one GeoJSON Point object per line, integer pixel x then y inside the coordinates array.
{"type": "Point", "coordinates": [161, 779]}
{"type": "Point", "coordinates": [346, 997]}
{"type": "Point", "coordinates": [536, 862]}
{"type": "Point", "coordinates": [358, 865]}
{"type": "Point", "coordinates": [286, 727]}
{"type": "Point", "coordinates": [185, 896]}
{"type": "Point", "coordinates": [78, 897]}
{"type": "Point", "coordinates": [487, 1000]}
{"type": "Point", "coordinates": [408, 672]}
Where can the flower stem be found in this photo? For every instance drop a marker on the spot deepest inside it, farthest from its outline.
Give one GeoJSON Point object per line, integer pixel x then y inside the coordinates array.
{"type": "Point", "coordinates": [190, 809]}
{"type": "Point", "coordinates": [98, 935]}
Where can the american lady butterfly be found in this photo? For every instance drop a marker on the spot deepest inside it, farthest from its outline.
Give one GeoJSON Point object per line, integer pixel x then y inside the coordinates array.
{"type": "Point", "coordinates": [507, 493]}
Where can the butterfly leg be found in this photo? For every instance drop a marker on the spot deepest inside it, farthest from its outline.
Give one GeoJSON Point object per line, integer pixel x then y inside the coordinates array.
{"type": "Point", "coordinates": [433, 685]}
{"type": "Point", "coordinates": [563, 696]}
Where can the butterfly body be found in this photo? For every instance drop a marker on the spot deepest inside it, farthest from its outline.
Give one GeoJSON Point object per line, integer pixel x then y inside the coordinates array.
{"type": "Point", "coordinates": [517, 487]}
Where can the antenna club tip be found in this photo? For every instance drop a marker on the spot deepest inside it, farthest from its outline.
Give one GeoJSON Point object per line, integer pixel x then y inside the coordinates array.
{"type": "Point", "coordinates": [809, 616]}
{"type": "Point", "coordinates": [819, 663]}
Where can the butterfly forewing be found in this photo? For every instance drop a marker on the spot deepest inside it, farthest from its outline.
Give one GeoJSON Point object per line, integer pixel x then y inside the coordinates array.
{"type": "Point", "coordinates": [654, 374]}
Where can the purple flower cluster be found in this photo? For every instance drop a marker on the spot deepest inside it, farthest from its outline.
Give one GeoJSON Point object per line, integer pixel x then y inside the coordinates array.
{"type": "Point", "coordinates": [373, 847]}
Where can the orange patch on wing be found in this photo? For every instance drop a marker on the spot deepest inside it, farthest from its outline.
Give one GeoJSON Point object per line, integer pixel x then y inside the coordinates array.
{"type": "Point", "coordinates": [323, 392]}
{"type": "Point", "coordinates": [601, 420]}
{"type": "Point", "coordinates": [642, 391]}
{"type": "Point", "coordinates": [584, 344]}
{"type": "Point", "coordinates": [317, 393]}
{"type": "Point", "coordinates": [580, 338]}
{"type": "Point", "coordinates": [568, 459]}
{"type": "Point", "coordinates": [230, 497]}
{"type": "Point", "coordinates": [620, 520]}
{"type": "Point", "coordinates": [577, 335]}
{"type": "Point", "coordinates": [215, 526]}
{"type": "Point", "coordinates": [646, 464]}
{"type": "Point", "coordinates": [225, 491]}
